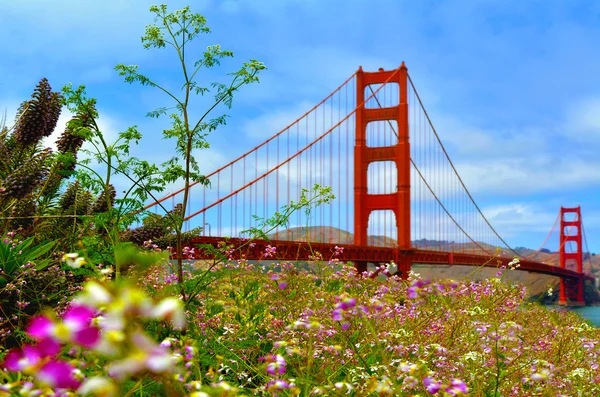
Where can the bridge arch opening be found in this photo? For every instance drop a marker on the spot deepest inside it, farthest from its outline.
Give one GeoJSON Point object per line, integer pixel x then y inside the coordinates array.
{"type": "Point", "coordinates": [382, 133]}
{"type": "Point", "coordinates": [387, 96]}
{"type": "Point", "coordinates": [382, 177]}
{"type": "Point", "coordinates": [571, 231]}
{"type": "Point", "coordinates": [570, 216]}
{"type": "Point", "coordinates": [571, 247]}
{"type": "Point", "coordinates": [382, 230]}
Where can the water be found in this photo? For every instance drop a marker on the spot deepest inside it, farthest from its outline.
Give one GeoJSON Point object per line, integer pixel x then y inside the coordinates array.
{"type": "Point", "coordinates": [591, 313]}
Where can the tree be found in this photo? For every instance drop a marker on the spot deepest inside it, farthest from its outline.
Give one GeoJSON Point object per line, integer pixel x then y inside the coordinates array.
{"type": "Point", "coordinates": [176, 30]}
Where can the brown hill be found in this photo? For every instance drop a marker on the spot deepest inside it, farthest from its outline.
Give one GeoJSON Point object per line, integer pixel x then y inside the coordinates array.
{"type": "Point", "coordinates": [536, 283]}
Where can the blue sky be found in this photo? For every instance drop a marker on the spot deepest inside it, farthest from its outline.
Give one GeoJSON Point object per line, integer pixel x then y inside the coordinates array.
{"type": "Point", "coordinates": [511, 86]}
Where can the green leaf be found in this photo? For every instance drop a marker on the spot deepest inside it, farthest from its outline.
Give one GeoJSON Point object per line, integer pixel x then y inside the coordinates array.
{"type": "Point", "coordinates": [40, 250]}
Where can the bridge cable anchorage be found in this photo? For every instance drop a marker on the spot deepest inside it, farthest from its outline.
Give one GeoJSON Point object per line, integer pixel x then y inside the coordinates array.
{"type": "Point", "coordinates": [250, 151]}
{"type": "Point", "coordinates": [428, 186]}
{"type": "Point", "coordinates": [455, 171]}
{"type": "Point", "coordinates": [318, 139]}
{"type": "Point", "coordinates": [547, 238]}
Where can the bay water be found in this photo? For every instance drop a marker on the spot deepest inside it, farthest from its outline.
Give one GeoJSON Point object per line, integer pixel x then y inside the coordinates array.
{"type": "Point", "coordinates": [591, 313]}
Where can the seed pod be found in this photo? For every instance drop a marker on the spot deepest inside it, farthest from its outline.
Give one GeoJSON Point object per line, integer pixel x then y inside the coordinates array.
{"type": "Point", "coordinates": [70, 141]}
{"type": "Point", "coordinates": [29, 176]}
{"type": "Point", "coordinates": [38, 117]}
{"type": "Point", "coordinates": [68, 197]}
{"type": "Point", "coordinates": [100, 205]}
{"type": "Point", "coordinates": [25, 207]}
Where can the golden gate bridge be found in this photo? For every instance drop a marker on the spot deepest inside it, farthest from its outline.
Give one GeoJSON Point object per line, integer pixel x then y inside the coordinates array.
{"type": "Point", "coordinates": [399, 197]}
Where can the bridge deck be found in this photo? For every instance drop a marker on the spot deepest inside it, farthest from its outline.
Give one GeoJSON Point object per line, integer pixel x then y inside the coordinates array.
{"type": "Point", "coordinates": [294, 250]}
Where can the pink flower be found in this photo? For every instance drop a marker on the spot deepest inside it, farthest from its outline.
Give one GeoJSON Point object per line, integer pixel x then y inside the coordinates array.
{"type": "Point", "coordinates": [57, 374]}
{"type": "Point", "coordinates": [77, 320]}
{"type": "Point", "coordinates": [269, 251]}
{"type": "Point", "coordinates": [40, 327]}
{"type": "Point", "coordinates": [282, 285]}
{"type": "Point", "coordinates": [74, 327]}
{"type": "Point", "coordinates": [24, 360]}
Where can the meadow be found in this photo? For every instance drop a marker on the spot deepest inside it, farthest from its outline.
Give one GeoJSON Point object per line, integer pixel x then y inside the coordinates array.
{"type": "Point", "coordinates": [274, 330]}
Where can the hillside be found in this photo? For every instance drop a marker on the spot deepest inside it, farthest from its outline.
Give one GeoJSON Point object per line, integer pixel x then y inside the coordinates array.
{"type": "Point", "coordinates": [536, 283]}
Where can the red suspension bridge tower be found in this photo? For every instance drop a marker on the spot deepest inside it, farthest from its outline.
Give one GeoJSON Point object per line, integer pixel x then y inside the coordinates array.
{"type": "Point", "coordinates": [399, 153]}
{"type": "Point", "coordinates": [571, 290]}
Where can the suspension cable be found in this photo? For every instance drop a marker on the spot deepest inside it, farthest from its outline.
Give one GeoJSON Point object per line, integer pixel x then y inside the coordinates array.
{"type": "Point", "coordinates": [427, 184]}
{"type": "Point", "coordinates": [454, 168]}
{"type": "Point", "coordinates": [250, 151]}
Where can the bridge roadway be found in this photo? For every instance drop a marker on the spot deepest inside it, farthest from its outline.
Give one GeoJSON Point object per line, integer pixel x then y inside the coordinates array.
{"type": "Point", "coordinates": [297, 250]}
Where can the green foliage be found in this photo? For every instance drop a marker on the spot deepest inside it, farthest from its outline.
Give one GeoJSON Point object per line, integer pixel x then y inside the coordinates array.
{"type": "Point", "coordinates": [176, 30]}
{"type": "Point", "coordinates": [17, 255]}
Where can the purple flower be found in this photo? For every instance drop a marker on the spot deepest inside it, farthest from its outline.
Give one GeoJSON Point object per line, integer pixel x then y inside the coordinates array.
{"type": "Point", "coordinates": [431, 385]}
{"type": "Point", "coordinates": [336, 315]}
{"type": "Point", "coordinates": [457, 387]}
{"type": "Point", "coordinates": [276, 364]}
{"type": "Point", "coordinates": [346, 303]}
{"type": "Point", "coordinates": [412, 293]}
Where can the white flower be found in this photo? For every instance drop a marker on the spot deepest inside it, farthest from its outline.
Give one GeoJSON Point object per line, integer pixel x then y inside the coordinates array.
{"type": "Point", "coordinates": [170, 309]}
{"type": "Point", "coordinates": [73, 260]}
{"type": "Point", "coordinates": [514, 264]}
{"type": "Point", "coordinates": [94, 295]}
{"type": "Point", "coordinates": [98, 386]}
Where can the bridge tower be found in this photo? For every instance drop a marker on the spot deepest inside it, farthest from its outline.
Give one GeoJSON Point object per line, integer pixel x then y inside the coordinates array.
{"type": "Point", "coordinates": [398, 202]}
{"type": "Point", "coordinates": [571, 290]}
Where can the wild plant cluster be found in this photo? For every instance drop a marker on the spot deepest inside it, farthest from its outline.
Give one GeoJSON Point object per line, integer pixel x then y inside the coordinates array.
{"type": "Point", "coordinates": [275, 330]}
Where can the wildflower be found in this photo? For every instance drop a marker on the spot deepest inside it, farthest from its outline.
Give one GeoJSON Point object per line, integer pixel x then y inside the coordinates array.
{"type": "Point", "coordinates": [74, 260]}
{"type": "Point", "coordinates": [57, 374]}
{"type": "Point", "coordinates": [278, 384]}
{"type": "Point", "coordinates": [269, 251]}
{"type": "Point", "coordinates": [457, 387]}
{"type": "Point", "coordinates": [146, 355]}
{"type": "Point", "coordinates": [277, 364]}
{"type": "Point", "coordinates": [431, 385]}
{"type": "Point", "coordinates": [170, 309]}
{"type": "Point", "coordinates": [338, 250]}
{"type": "Point", "coordinates": [94, 295]}
{"type": "Point", "coordinates": [98, 386]}
{"type": "Point", "coordinates": [514, 264]}
{"type": "Point", "coordinates": [346, 303]}
{"type": "Point", "coordinates": [75, 326]}
{"type": "Point", "coordinates": [24, 360]}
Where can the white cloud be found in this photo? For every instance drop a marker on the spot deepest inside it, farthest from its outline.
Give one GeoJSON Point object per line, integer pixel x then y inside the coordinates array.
{"type": "Point", "coordinates": [583, 120]}
{"type": "Point", "coordinates": [514, 218]}
{"type": "Point", "coordinates": [528, 176]}
{"type": "Point", "coordinates": [271, 122]}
